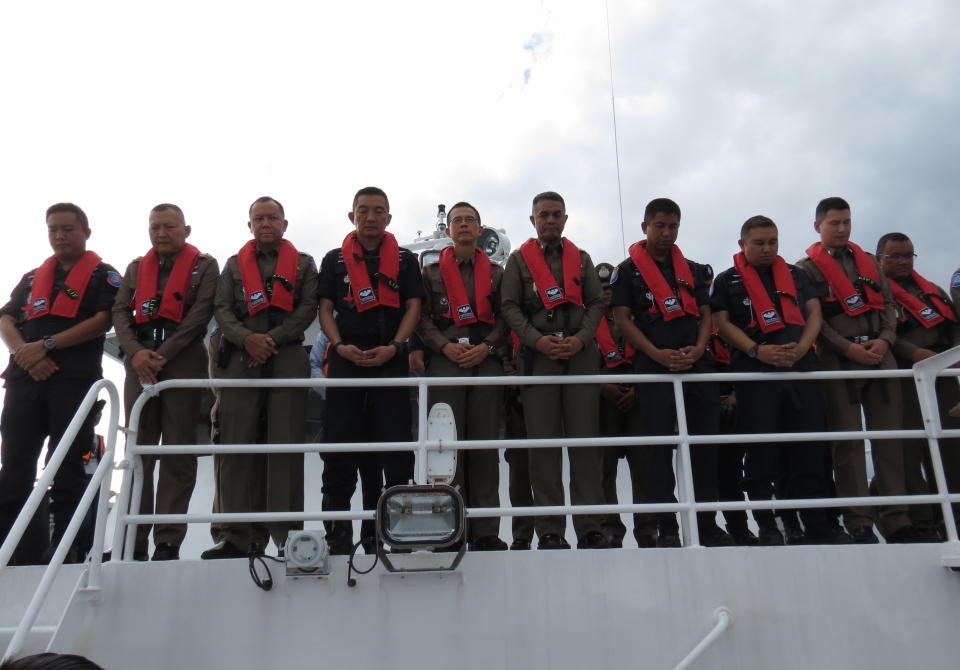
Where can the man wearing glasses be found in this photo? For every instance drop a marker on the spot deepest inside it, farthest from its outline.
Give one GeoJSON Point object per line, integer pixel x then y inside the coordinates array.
{"type": "Point", "coordinates": [927, 324]}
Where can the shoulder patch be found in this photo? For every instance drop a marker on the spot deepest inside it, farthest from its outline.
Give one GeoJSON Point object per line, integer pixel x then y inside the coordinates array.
{"type": "Point", "coordinates": [312, 264]}
{"type": "Point", "coordinates": [955, 280]}
{"type": "Point", "coordinates": [114, 278]}
{"type": "Point", "coordinates": [614, 276]}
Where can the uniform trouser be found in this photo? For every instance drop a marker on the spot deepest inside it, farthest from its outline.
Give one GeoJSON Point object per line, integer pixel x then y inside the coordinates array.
{"type": "Point", "coordinates": [32, 411]}
{"type": "Point", "coordinates": [916, 453]}
{"type": "Point", "coordinates": [260, 482]}
{"type": "Point", "coordinates": [564, 410]}
{"type": "Point", "coordinates": [880, 399]}
{"type": "Point", "coordinates": [658, 417]}
{"type": "Point", "coordinates": [788, 469]}
{"type": "Point", "coordinates": [730, 469]}
{"type": "Point", "coordinates": [363, 415]}
{"type": "Point", "coordinates": [172, 417]}
{"type": "Point", "coordinates": [477, 411]}
{"type": "Point", "coordinates": [521, 495]}
{"type": "Point", "coordinates": [617, 423]}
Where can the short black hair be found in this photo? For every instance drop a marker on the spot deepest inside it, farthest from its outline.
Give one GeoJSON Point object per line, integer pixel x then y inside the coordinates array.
{"type": "Point", "coordinates": [466, 204]}
{"type": "Point", "coordinates": [371, 190]}
{"type": "Point", "coordinates": [262, 199]}
{"type": "Point", "coordinates": [50, 661]}
{"type": "Point", "coordinates": [890, 237]}
{"type": "Point", "coordinates": [660, 206]}
{"type": "Point", "coordinates": [549, 195]}
{"type": "Point", "coordinates": [169, 207]}
{"type": "Point", "coordinates": [69, 208]}
{"type": "Point", "coordinates": [827, 204]}
{"type": "Point", "coordinates": [758, 221]}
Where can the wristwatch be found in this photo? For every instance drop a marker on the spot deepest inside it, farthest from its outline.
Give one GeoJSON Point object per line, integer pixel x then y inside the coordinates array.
{"type": "Point", "coordinates": [491, 349]}
{"type": "Point", "coordinates": [752, 352]}
{"type": "Point", "coordinates": [49, 343]}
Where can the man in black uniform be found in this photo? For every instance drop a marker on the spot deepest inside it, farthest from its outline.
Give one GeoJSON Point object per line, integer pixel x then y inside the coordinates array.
{"type": "Point", "coordinates": [927, 324]}
{"type": "Point", "coordinates": [660, 303]}
{"type": "Point", "coordinates": [53, 327]}
{"type": "Point", "coordinates": [770, 315]}
{"type": "Point", "coordinates": [370, 296]}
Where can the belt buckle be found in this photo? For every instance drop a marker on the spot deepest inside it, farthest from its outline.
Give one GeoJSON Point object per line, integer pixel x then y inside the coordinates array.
{"type": "Point", "coordinates": [559, 334]}
{"type": "Point", "coordinates": [860, 339]}
{"type": "Point", "coordinates": [463, 340]}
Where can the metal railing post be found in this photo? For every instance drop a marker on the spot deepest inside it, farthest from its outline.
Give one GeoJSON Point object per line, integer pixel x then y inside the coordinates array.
{"type": "Point", "coordinates": [690, 529]}
{"type": "Point", "coordinates": [422, 412]}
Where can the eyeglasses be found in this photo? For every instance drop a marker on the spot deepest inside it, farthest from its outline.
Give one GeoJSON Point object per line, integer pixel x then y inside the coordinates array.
{"type": "Point", "coordinates": [900, 257]}
{"type": "Point", "coordinates": [469, 220]}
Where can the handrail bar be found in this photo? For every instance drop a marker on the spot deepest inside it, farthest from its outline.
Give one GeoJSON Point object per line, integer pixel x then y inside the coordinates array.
{"type": "Point", "coordinates": [723, 617]}
{"type": "Point", "coordinates": [98, 482]}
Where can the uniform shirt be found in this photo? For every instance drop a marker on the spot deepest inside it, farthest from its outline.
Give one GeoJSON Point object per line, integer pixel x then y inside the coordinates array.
{"type": "Point", "coordinates": [838, 327]}
{"type": "Point", "coordinates": [230, 305]}
{"type": "Point", "coordinates": [524, 312]}
{"type": "Point", "coordinates": [911, 335]}
{"type": "Point", "coordinates": [82, 361]}
{"type": "Point", "coordinates": [730, 295]}
{"type": "Point", "coordinates": [197, 309]}
{"type": "Point", "coordinates": [630, 290]}
{"type": "Point", "coordinates": [376, 325]}
{"type": "Point", "coordinates": [437, 329]}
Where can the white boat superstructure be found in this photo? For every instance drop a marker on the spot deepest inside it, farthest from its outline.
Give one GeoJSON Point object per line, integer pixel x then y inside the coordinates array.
{"type": "Point", "coordinates": [854, 606]}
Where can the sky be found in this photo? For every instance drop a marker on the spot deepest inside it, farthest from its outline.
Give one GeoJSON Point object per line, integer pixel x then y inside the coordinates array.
{"type": "Point", "coordinates": [732, 109]}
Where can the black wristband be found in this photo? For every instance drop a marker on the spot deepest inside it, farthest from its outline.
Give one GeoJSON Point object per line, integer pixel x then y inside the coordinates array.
{"type": "Point", "coordinates": [397, 345]}
{"type": "Point", "coordinates": [338, 344]}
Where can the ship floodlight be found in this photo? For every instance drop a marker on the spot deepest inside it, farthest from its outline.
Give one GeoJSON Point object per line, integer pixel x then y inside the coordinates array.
{"type": "Point", "coordinates": [420, 518]}
{"type": "Point", "coordinates": [306, 553]}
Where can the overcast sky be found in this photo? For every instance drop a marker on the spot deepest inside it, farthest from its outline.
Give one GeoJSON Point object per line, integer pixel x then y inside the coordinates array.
{"type": "Point", "coordinates": [731, 108]}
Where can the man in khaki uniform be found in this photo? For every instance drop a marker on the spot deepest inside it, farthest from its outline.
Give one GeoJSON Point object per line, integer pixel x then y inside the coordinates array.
{"type": "Point", "coordinates": [552, 300]}
{"type": "Point", "coordinates": [860, 322]}
{"type": "Point", "coordinates": [266, 298]}
{"type": "Point", "coordinates": [462, 328]}
{"type": "Point", "coordinates": [160, 316]}
{"type": "Point", "coordinates": [927, 325]}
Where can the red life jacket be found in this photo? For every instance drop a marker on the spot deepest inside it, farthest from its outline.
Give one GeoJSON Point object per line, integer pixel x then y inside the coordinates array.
{"type": "Point", "coordinates": [721, 352]}
{"type": "Point", "coordinates": [71, 295]}
{"type": "Point", "coordinates": [284, 278]}
{"type": "Point", "coordinates": [768, 318]}
{"type": "Point", "coordinates": [868, 279]}
{"type": "Point", "coordinates": [609, 349]}
{"type": "Point", "coordinates": [174, 294]}
{"type": "Point", "coordinates": [927, 315]}
{"type": "Point", "coordinates": [362, 292]}
{"type": "Point", "coordinates": [461, 310]}
{"type": "Point", "coordinates": [663, 296]}
{"type": "Point", "coordinates": [543, 280]}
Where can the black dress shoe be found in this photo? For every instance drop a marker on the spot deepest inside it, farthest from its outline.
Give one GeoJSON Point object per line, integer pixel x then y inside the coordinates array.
{"type": "Point", "coordinates": [552, 541]}
{"type": "Point", "coordinates": [668, 540]}
{"type": "Point", "coordinates": [223, 549]}
{"type": "Point", "coordinates": [593, 540]}
{"type": "Point", "coordinates": [742, 537]}
{"type": "Point", "coordinates": [794, 536]}
{"type": "Point", "coordinates": [166, 552]}
{"type": "Point", "coordinates": [912, 535]}
{"type": "Point", "coordinates": [713, 536]}
{"type": "Point", "coordinates": [488, 543]}
{"type": "Point", "coordinates": [646, 541]}
{"type": "Point", "coordinates": [137, 556]}
{"type": "Point", "coordinates": [864, 535]}
{"type": "Point", "coordinates": [770, 536]}
{"type": "Point", "coordinates": [614, 542]}
{"type": "Point", "coordinates": [520, 545]}
{"type": "Point", "coordinates": [828, 536]}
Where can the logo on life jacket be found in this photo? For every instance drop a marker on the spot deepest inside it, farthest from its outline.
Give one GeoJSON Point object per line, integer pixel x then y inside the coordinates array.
{"type": "Point", "coordinates": [464, 312]}
{"type": "Point", "coordinates": [770, 317]}
{"type": "Point", "coordinates": [39, 305]}
{"type": "Point", "coordinates": [614, 356]}
{"type": "Point", "coordinates": [147, 307]}
{"type": "Point", "coordinates": [554, 293]}
{"type": "Point", "coordinates": [929, 313]}
{"type": "Point", "coordinates": [367, 295]}
{"type": "Point", "coordinates": [257, 298]}
{"type": "Point", "coordinates": [854, 302]}
{"type": "Point", "coordinates": [671, 304]}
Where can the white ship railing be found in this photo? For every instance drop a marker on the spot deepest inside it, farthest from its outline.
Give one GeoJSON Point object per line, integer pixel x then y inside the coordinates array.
{"type": "Point", "coordinates": [924, 375]}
